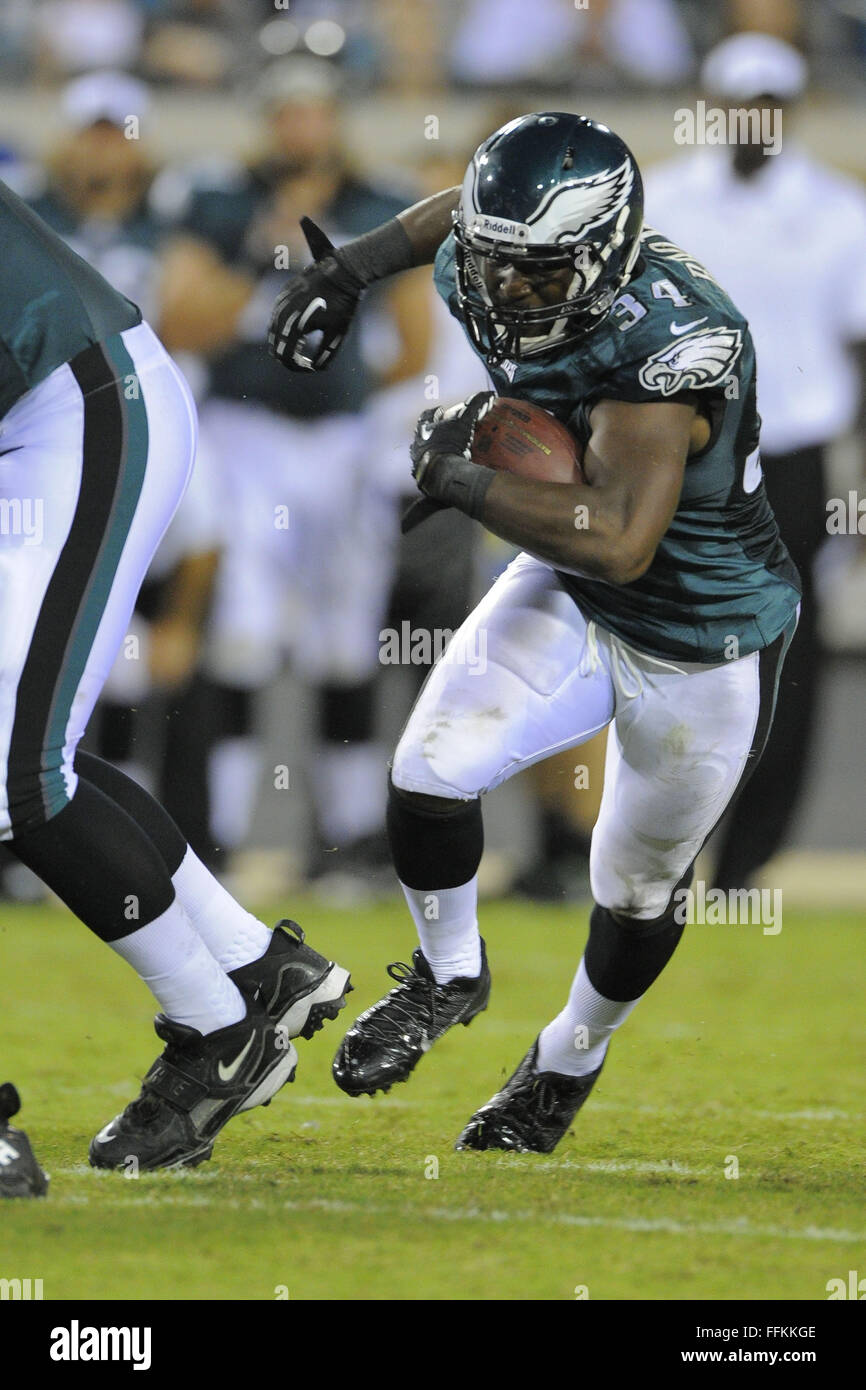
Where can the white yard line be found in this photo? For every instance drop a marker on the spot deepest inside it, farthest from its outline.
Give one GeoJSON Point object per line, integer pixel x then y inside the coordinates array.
{"type": "Point", "coordinates": [740, 1228]}
{"type": "Point", "coordinates": [647, 1168]}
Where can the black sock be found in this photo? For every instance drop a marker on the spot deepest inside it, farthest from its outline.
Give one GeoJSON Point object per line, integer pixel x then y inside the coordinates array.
{"type": "Point", "coordinates": [100, 862]}
{"type": "Point", "coordinates": [434, 848]}
{"type": "Point", "coordinates": [144, 809]}
{"type": "Point", "coordinates": [624, 955]}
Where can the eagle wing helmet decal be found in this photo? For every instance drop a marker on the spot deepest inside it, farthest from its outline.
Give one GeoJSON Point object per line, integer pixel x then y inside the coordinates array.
{"type": "Point", "coordinates": [584, 204]}
{"type": "Point", "coordinates": [700, 359]}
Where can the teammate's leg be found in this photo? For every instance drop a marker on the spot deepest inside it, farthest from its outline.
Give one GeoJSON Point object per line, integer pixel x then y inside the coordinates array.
{"type": "Point", "coordinates": [233, 936]}
{"type": "Point", "coordinates": [300, 987]}
{"type": "Point", "coordinates": [113, 462]}
{"type": "Point", "coordinates": [110, 441]}
{"type": "Point", "coordinates": [109, 873]}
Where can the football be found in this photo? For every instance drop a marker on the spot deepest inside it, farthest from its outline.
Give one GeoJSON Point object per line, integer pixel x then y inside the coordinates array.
{"type": "Point", "coordinates": [518, 437]}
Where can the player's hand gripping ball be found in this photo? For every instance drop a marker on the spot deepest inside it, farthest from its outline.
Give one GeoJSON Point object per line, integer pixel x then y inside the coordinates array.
{"type": "Point", "coordinates": [495, 434]}
{"type": "Point", "coordinates": [448, 431]}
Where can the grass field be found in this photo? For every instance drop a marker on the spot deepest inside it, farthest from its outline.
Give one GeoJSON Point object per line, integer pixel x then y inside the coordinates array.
{"type": "Point", "coordinates": [748, 1046]}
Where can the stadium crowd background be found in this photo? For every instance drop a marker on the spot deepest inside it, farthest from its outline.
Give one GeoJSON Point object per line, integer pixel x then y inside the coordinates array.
{"type": "Point", "coordinates": [253, 692]}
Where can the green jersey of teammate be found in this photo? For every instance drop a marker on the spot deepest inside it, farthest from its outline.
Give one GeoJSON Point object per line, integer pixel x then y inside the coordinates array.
{"type": "Point", "coordinates": [53, 305]}
{"type": "Point", "coordinates": [721, 584]}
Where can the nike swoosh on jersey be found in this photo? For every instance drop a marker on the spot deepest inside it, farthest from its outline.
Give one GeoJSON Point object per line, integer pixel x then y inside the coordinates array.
{"type": "Point", "coordinates": [678, 328]}
{"type": "Point", "coordinates": [226, 1073]}
{"type": "Point", "coordinates": [752, 472]}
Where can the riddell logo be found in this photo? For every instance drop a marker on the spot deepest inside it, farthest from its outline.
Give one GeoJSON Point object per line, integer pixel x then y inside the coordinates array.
{"type": "Point", "coordinates": [494, 226]}
{"type": "Point", "coordinates": [77, 1343]}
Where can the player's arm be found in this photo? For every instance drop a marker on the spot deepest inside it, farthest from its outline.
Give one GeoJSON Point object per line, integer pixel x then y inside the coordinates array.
{"type": "Point", "coordinates": [634, 465]}
{"type": "Point", "coordinates": [608, 528]}
{"type": "Point", "coordinates": [312, 314]}
{"type": "Point", "coordinates": [427, 224]}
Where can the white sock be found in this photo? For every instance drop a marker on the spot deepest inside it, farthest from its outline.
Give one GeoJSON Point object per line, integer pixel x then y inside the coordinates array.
{"type": "Point", "coordinates": [575, 1042]}
{"type": "Point", "coordinates": [188, 984]}
{"type": "Point", "coordinates": [447, 922]}
{"type": "Point", "coordinates": [234, 771]}
{"type": "Point", "coordinates": [232, 935]}
{"type": "Point", "coordinates": [350, 786]}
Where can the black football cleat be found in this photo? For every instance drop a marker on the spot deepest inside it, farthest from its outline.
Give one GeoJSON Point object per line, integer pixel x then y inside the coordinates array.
{"type": "Point", "coordinates": [385, 1043]}
{"type": "Point", "coordinates": [298, 988]}
{"type": "Point", "coordinates": [20, 1174]}
{"type": "Point", "coordinates": [193, 1090]}
{"type": "Point", "coordinates": [531, 1113]}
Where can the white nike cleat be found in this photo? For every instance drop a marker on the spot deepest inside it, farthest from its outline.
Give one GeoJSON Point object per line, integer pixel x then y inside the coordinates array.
{"type": "Point", "coordinates": [193, 1089]}
{"type": "Point", "coordinates": [300, 989]}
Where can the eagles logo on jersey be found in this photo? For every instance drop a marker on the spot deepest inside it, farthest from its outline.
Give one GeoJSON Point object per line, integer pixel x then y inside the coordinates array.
{"type": "Point", "coordinates": [547, 192]}
{"type": "Point", "coordinates": [698, 360]}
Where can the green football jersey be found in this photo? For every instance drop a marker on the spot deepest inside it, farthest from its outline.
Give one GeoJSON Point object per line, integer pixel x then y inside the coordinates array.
{"type": "Point", "coordinates": [721, 583]}
{"type": "Point", "coordinates": [53, 305]}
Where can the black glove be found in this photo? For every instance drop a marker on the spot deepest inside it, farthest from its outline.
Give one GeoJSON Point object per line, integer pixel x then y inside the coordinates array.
{"type": "Point", "coordinates": [451, 431]}
{"type": "Point", "coordinates": [442, 466]}
{"type": "Point", "coordinates": [322, 299]}
{"type": "Point", "coordinates": [20, 1174]}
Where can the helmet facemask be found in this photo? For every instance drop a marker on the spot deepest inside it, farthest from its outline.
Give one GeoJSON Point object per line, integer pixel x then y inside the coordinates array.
{"type": "Point", "coordinates": [502, 331]}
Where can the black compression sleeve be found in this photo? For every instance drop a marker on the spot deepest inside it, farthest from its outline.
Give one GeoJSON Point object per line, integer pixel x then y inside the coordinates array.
{"type": "Point", "coordinates": [458, 482]}
{"type": "Point", "coordinates": [385, 251]}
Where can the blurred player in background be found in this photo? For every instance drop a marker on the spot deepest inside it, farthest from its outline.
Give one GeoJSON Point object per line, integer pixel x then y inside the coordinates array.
{"type": "Point", "coordinates": [309, 556]}
{"type": "Point", "coordinates": [98, 441]}
{"type": "Point", "coordinates": [786, 235]}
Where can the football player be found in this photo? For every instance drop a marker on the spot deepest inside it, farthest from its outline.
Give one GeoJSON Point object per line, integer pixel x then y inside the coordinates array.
{"type": "Point", "coordinates": [97, 437]}
{"type": "Point", "coordinates": [296, 576]}
{"type": "Point", "coordinates": [657, 597]}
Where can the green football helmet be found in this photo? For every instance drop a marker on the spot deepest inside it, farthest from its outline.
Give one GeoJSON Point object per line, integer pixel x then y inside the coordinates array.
{"type": "Point", "coordinates": [547, 193]}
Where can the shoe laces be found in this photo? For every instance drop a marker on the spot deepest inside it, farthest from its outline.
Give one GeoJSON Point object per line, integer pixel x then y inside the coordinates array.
{"type": "Point", "coordinates": [545, 1095]}
{"type": "Point", "coordinates": [412, 989]}
{"type": "Point", "coordinates": [536, 1101]}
